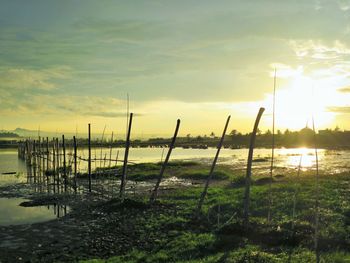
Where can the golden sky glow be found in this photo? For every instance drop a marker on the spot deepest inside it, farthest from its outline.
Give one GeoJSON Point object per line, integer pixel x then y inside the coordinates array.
{"type": "Point", "coordinates": [65, 64]}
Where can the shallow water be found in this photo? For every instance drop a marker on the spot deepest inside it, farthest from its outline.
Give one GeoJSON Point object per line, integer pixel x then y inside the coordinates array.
{"type": "Point", "coordinates": [9, 163]}
{"type": "Point", "coordinates": [330, 161]}
{"type": "Point", "coordinates": [13, 214]}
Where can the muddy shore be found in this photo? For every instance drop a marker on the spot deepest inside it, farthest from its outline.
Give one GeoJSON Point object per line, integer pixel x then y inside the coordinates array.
{"type": "Point", "coordinates": [93, 228]}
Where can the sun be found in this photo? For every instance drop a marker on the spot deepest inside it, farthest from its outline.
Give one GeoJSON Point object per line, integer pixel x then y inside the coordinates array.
{"type": "Point", "coordinates": [300, 99]}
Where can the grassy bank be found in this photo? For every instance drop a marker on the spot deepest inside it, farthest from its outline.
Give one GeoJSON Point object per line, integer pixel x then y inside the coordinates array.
{"type": "Point", "coordinates": [219, 236]}
{"type": "Point", "coordinates": [101, 229]}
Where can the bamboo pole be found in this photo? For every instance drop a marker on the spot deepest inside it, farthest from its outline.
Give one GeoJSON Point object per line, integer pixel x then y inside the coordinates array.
{"type": "Point", "coordinates": [272, 149]}
{"type": "Point", "coordinates": [64, 164]}
{"type": "Point", "coordinates": [89, 160]}
{"type": "Point", "coordinates": [317, 251]}
{"type": "Point", "coordinates": [54, 165]}
{"type": "Point", "coordinates": [205, 190]}
{"type": "Point", "coordinates": [47, 153]}
{"type": "Point", "coordinates": [127, 146]}
{"type": "Point", "coordinates": [110, 151]}
{"type": "Point", "coordinates": [296, 191]}
{"type": "Point", "coordinates": [39, 160]}
{"type": "Point", "coordinates": [249, 168]}
{"type": "Point", "coordinates": [165, 163]}
{"type": "Point", "coordinates": [34, 161]}
{"type": "Point", "coordinates": [58, 164]}
{"type": "Point", "coordinates": [47, 164]}
{"type": "Point", "coordinates": [75, 164]}
{"type": "Point", "coordinates": [103, 135]}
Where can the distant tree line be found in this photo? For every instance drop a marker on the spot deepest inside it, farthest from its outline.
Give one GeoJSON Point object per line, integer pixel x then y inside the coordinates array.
{"type": "Point", "coordinates": [8, 135]}
{"type": "Point", "coordinates": [327, 138]}
{"type": "Point", "coordinates": [304, 138]}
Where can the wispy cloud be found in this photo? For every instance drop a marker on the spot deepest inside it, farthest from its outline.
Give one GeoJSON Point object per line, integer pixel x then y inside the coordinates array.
{"type": "Point", "coordinates": [80, 60]}
{"type": "Point", "coordinates": [345, 89]}
{"type": "Point", "coordinates": [319, 50]}
{"type": "Point", "coordinates": [31, 79]}
{"type": "Point", "coordinates": [342, 109]}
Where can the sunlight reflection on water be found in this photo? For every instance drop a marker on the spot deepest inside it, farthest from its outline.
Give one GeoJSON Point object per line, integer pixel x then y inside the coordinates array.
{"type": "Point", "coordinates": [307, 156]}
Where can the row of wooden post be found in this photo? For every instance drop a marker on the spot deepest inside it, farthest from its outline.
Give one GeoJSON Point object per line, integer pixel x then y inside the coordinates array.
{"type": "Point", "coordinates": [123, 179]}
{"type": "Point", "coordinates": [154, 194]}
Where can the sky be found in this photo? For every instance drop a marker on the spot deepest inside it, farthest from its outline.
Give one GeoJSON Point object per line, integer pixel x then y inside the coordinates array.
{"type": "Point", "coordinates": [67, 63]}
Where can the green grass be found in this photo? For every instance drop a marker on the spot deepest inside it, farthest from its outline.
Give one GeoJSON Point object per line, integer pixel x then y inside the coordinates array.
{"type": "Point", "coordinates": [182, 169]}
{"type": "Point", "coordinates": [218, 236]}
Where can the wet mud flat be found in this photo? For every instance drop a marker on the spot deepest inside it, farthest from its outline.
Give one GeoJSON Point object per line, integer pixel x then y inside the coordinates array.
{"type": "Point", "coordinates": [93, 228]}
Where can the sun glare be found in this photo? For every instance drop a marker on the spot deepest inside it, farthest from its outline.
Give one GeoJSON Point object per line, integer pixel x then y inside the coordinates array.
{"type": "Point", "coordinates": [299, 99]}
{"type": "Point", "coordinates": [307, 157]}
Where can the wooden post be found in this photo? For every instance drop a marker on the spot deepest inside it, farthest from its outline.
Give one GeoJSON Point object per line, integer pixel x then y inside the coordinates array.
{"type": "Point", "coordinates": [34, 161]}
{"type": "Point", "coordinates": [125, 165]}
{"type": "Point", "coordinates": [272, 149]}
{"type": "Point", "coordinates": [317, 213]}
{"type": "Point", "coordinates": [75, 164]}
{"type": "Point", "coordinates": [64, 164]}
{"type": "Point", "coordinates": [249, 168]}
{"type": "Point", "coordinates": [47, 164]}
{"type": "Point", "coordinates": [28, 153]}
{"type": "Point", "coordinates": [47, 153]}
{"type": "Point", "coordinates": [110, 152]}
{"type": "Point", "coordinates": [205, 190]}
{"type": "Point", "coordinates": [102, 138]}
{"type": "Point", "coordinates": [58, 164]}
{"type": "Point", "coordinates": [39, 160]}
{"type": "Point", "coordinates": [155, 191]}
{"type": "Point", "coordinates": [89, 160]}
{"type": "Point", "coordinates": [296, 191]}
{"type": "Point", "coordinates": [54, 164]}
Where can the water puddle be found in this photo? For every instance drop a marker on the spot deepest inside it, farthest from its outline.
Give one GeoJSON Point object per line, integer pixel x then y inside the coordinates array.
{"type": "Point", "coordinates": [13, 214]}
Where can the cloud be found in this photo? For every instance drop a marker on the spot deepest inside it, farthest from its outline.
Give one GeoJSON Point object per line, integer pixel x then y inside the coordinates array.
{"type": "Point", "coordinates": [319, 50]}
{"type": "Point", "coordinates": [23, 79]}
{"type": "Point", "coordinates": [344, 5]}
{"type": "Point", "coordinates": [345, 89]}
{"type": "Point", "coordinates": [64, 105]}
{"type": "Point", "coordinates": [119, 114]}
{"type": "Point", "coordinates": [340, 109]}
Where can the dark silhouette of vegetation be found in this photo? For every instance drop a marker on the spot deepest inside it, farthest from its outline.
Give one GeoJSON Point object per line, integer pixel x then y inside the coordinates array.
{"type": "Point", "coordinates": [328, 138]}
{"type": "Point", "coordinates": [8, 135]}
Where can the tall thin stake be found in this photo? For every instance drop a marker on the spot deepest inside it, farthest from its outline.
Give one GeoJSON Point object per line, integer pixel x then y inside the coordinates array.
{"type": "Point", "coordinates": [75, 163]}
{"type": "Point", "coordinates": [110, 151]}
{"type": "Point", "coordinates": [249, 168]}
{"type": "Point", "coordinates": [47, 160]}
{"type": "Point", "coordinates": [89, 158]}
{"type": "Point", "coordinates": [47, 153]}
{"type": "Point", "coordinates": [64, 164]}
{"type": "Point", "coordinates": [296, 191]}
{"type": "Point", "coordinates": [272, 149]}
{"type": "Point", "coordinates": [165, 163]}
{"type": "Point", "coordinates": [127, 111]}
{"type": "Point", "coordinates": [103, 135]}
{"type": "Point", "coordinates": [317, 195]}
{"type": "Point", "coordinates": [58, 164]}
{"type": "Point", "coordinates": [125, 165]}
{"type": "Point", "coordinates": [205, 190]}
